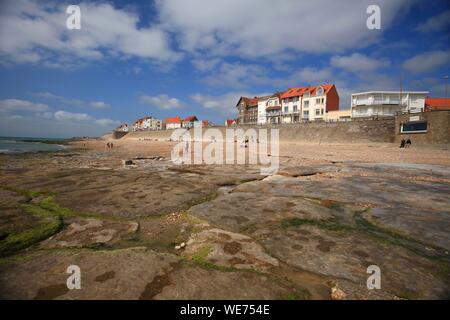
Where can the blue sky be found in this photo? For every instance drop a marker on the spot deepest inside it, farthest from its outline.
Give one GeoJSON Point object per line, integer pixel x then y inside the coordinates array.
{"type": "Point", "coordinates": [176, 57]}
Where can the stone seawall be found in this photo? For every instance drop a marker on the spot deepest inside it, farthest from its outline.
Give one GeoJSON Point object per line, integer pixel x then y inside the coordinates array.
{"type": "Point", "coordinates": [360, 131]}
{"type": "Point", "coordinates": [118, 134]}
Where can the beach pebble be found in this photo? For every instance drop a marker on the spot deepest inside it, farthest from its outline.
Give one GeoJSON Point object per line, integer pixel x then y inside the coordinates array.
{"type": "Point", "coordinates": [177, 247]}
{"type": "Point", "coordinates": [337, 294]}
{"type": "Point", "coordinates": [182, 245]}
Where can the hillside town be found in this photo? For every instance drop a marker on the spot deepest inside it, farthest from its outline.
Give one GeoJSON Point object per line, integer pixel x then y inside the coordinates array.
{"type": "Point", "coordinates": [319, 103]}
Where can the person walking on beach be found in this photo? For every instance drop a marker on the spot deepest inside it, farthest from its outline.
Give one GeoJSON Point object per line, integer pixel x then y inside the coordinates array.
{"type": "Point", "coordinates": [112, 145]}
{"type": "Point", "coordinates": [108, 145]}
{"type": "Point", "coordinates": [408, 143]}
{"type": "Point", "coordinates": [402, 143]}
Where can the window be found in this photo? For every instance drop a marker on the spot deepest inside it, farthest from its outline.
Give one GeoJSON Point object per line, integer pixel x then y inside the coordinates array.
{"type": "Point", "coordinates": [286, 100]}
{"type": "Point", "coordinates": [295, 99]}
{"type": "Point", "coordinates": [319, 91]}
{"type": "Point", "coordinates": [317, 112]}
{"type": "Point", "coordinates": [295, 108]}
{"type": "Point", "coordinates": [321, 111]}
{"type": "Point", "coordinates": [414, 127]}
{"type": "Point", "coordinates": [306, 103]}
{"type": "Point", "coordinates": [317, 101]}
{"type": "Point", "coordinates": [305, 114]}
{"type": "Point", "coordinates": [286, 109]}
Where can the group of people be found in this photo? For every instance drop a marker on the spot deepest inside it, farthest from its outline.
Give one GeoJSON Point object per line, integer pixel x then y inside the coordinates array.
{"type": "Point", "coordinates": [109, 145]}
{"type": "Point", "coordinates": [405, 143]}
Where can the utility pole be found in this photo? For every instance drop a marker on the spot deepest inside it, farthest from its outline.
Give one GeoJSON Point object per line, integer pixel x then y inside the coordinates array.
{"type": "Point", "coordinates": [400, 103]}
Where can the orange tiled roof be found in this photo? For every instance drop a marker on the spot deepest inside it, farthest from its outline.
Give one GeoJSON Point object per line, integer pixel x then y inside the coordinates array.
{"type": "Point", "coordinates": [251, 101]}
{"type": "Point", "coordinates": [173, 120]}
{"type": "Point", "coordinates": [296, 92]}
{"type": "Point", "coordinates": [437, 102]}
{"type": "Point", "coordinates": [191, 119]}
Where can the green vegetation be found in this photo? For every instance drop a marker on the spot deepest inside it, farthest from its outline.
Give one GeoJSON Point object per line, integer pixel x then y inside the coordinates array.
{"type": "Point", "coordinates": [191, 219]}
{"type": "Point", "coordinates": [357, 223]}
{"type": "Point", "coordinates": [396, 238]}
{"type": "Point", "coordinates": [298, 294]}
{"type": "Point", "coordinates": [332, 224]}
{"type": "Point", "coordinates": [27, 193]}
{"type": "Point", "coordinates": [18, 241]}
{"type": "Point", "coordinates": [49, 205]}
{"type": "Point", "coordinates": [201, 254]}
{"type": "Point", "coordinates": [50, 220]}
{"type": "Point", "coordinates": [200, 258]}
{"type": "Point", "coordinates": [196, 201]}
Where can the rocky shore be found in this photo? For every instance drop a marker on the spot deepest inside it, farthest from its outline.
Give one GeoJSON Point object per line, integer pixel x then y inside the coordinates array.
{"type": "Point", "coordinates": [141, 227]}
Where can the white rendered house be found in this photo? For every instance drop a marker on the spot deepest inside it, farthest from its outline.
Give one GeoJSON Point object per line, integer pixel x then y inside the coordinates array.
{"type": "Point", "coordinates": [266, 104]}
{"type": "Point", "coordinates": [387, 103]}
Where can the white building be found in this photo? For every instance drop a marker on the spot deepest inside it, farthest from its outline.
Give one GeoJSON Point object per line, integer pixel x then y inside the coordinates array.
{"type": "Point", "coordinates": [264, 103]}
{"type": "Point", "coordinates": [309, 103]}
{"type": "Point", "coordinates": [387, 103]}
{"type": "Point", "coordinates": [147, 123]}
{"type": "Point", "coordinates": [173, 123]}
{"type": "Point", "coordinates": [123, 127]}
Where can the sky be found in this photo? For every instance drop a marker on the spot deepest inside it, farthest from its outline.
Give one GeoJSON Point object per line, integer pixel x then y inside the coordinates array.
{"type": "Point", "coordinates": [197, 57]}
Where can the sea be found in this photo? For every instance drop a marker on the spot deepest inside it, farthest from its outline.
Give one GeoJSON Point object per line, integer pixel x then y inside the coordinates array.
{"type": "Point", "coordinates": [15, 145]}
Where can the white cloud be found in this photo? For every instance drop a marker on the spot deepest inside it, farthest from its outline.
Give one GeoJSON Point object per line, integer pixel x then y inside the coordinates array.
{"type": "Point", "coordinates": [440, 22]}
{"type": "Point", "coordinates": [205, 65]}
{"type": "Point", "coordinates": [14, 117]}
{"type": "Point", "coordinates": [163, 102]}
{"type": "Point", "coordinates": [237, 75]}
{"type": "Point", "coordinates": [358, 63]}
{"type": "Point", "coordinates": [32, 31]}
{"type": "Point", "coordinates": [69, 116]}
{"type": "Point", "coordinates": [312, 75]}
{"type": "Point", "coordinates": [21, 105]}
{"type": "Point", "coordinates": [73, 102]}
{"type": "Point", "coordinates": [107, 122]}
{"type": "Point", "coordinates": [224, 105]}
{"type": "Point", "coordinates": [427, 61]}
{"type": "Point", "coordinates": [99, 105]}
{"type": "Point", "coordinates": [137, 70]}
{"type": "Point", "coordinates": [262, 28]}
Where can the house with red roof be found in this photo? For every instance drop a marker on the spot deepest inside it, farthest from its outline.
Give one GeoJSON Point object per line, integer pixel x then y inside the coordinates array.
{"type": "Point", "coordinates": [230, 123]}
{"type": "Point", "coordinates": [147, 123]}
{"type": "Point", "coordinates": [173, 123]}
{"type": "Point", "coordinates": [189, 122]}
{"type": "Point", "coordinates": [437, 104]}
{"type": "Point", "coordinates": [123, 127]}
{"type": "Point", "coordinates": [309, 103]}
{"type": "Point", "coordinates": [247, 110]}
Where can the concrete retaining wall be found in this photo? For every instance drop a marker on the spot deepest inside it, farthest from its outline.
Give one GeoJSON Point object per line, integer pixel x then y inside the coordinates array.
{"type": "Point", "coordinates": [438, 127]}
{"type": "Point", "coordinates": [118, 134]}
{"type": "Point", "coordinates": [382, 130]}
